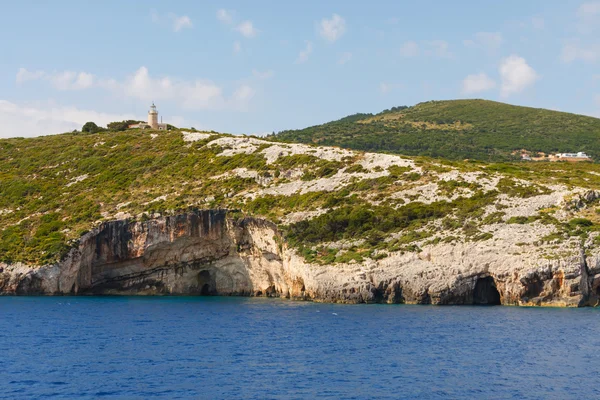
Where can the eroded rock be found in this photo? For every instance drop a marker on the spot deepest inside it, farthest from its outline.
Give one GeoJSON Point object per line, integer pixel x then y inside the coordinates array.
{"type": "Point", "coordinates": [208, 253]}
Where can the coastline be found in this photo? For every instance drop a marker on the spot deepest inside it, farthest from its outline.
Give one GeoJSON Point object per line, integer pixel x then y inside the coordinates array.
{"type": "Point", "coordinates": [208, 253]}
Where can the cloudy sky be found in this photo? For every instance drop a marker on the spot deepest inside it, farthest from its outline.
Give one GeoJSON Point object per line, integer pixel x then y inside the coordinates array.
{"type": "Point", "coordinates": [263, 66]}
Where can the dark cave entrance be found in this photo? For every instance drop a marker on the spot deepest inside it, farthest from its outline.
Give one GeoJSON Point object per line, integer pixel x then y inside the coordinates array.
{"type": "Point", "coordinates": [205, 291]}
{"type": "Point", "coordinates": [204, 283]}
{"type": "Point", "coordinates": [485, 292]}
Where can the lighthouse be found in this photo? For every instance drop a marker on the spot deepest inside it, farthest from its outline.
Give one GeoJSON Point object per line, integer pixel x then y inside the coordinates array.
{"type": "Point", "coordinates": [153, 117]}
{"type": "Point", "coordinates": [152, 121]}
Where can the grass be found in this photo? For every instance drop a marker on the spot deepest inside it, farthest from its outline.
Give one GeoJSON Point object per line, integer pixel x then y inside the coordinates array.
{"type": "Point", "coordinates": [55, 188]}
{"type": "Point", "coordinates": [459, 129]}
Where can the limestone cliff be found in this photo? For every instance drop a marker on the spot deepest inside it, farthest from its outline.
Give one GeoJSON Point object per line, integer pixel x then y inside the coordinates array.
{"type": "Point", "coordinates": [199, 253]}
{"type": "Point", "coordinates": [357, 227]}
{"type": "Point", "coordinates": [208, 253]}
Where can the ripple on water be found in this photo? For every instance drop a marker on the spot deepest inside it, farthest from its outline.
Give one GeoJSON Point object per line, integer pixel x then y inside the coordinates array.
{"type": "Point", "coordinates": [255, 348]}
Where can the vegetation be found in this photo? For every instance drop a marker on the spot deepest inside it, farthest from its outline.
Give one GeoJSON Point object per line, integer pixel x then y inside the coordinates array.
{"type": "Point", "coordinates": [91, 127]}
{"type": "Point", "coordinates": [118, 126]}
{"type": "Point", "coordinates": [458, 129]}
{"type": "Point", "coordinates": [55, 188]}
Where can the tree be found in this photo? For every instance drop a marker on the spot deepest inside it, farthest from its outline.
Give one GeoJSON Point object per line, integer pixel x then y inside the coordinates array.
{"type": "Point", "coordinates": [117, 126]}
{"type": "Point", "coordinates": [90, 127]}
{"type": "Point", "coordinates": [121, 125]}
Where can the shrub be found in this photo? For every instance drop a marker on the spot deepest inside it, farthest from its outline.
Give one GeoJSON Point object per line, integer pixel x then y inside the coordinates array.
{"type": "Point", "coordinates": [494, 218]}
{"type": "Point", "coordinates": [513, 189]}
{"type": "Point", "coordinates": [91, 127]}
{"type": "Point", "coordinates": [355, 169]}
{"type": "Point", "coordinates": [580, 222]}
{"type": "Point", "coordinates": [522, 219]}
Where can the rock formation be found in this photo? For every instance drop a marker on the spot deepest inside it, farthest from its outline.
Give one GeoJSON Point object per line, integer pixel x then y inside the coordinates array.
{"type": "Point", "coordinates": [209, 253]}
{"type": "Point", "coordinates": [435, 232]}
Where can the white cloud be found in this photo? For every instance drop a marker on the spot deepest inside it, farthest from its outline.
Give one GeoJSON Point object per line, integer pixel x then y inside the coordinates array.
{"type": "Point", "coordinates": [198, 94]}
{"type": "Point", "coordinates": [69, 80]}
{"type": "Point", "coordinates": [438, 48]}
{"type": "Point", "coordinates": [84, 80]}
{"type": "Point", "coordinates": [304, 54]}
{"type": "Point", "coordinates": [538, 23]}
{"type": "Point", "coordinates": [182, 22]}
{"type": "Point", "coordinates": [154, 16]}
{"type": "Point", "coordinates": [516, 75]}
{"type": "Point", "coordinates": [24, 75]}
{"type": "Point", "coordinates": [247, 29]}
{"type": "Point", "coordinates": [243, 93]}
{"type": "Point", "coordinates": [431, 48]}
{"type": "Point", "coordinates": [191, 94]}
{"type": "Point", "coordinates": [344, 58]}
{"type": "Point", "coordinates": [263, 74]}
{"type": "Point", "coordinates": [237, 47]}
{"type": "Point", "coordinates": [487, 40]}
{"type": "Point", "coordinates": [573, 52]}
{"type": "Point", "coordinates": [332, 29]}
{"type": "Point", "coordinates": [591, 8]}
{"type": "Point", "coordinates": [47, 118]}
{"type": "Point", "coordinates": [409, 49]}
{"type": "Point", "coordinates": [177, 23]}
{"type": "Point", "coordinates": [65, 80]}
{"type": "Point", "coordinates": [589, 16]}
{"type": "Point", "coordinates": [224, 16]}
{"type": "Point", "coordinates": [477, 83]}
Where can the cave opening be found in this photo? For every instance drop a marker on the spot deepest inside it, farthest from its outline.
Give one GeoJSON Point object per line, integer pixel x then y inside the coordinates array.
{"type": "Point", "coordinates": [486, 293]}
{"type": "Point", "coordinates": [204, 283]}
{"type": "Point", "coordinates": [205, 291]}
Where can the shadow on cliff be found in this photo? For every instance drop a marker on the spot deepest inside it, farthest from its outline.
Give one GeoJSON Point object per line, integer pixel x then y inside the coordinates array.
{"type": "Point", "coordinates": [200, 253]}
{"type": "Point", "coordinates": [485, 292]}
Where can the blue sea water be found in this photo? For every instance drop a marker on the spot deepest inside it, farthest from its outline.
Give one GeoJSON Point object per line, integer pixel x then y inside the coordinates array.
{"type": "Point", "coordinates": [227, 348]}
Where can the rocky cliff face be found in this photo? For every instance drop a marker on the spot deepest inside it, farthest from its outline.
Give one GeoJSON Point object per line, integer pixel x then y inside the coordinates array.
{"type": "Point", "coordinates": [208, 253]}
{"type": "Point", "coordinates": [202, 253]}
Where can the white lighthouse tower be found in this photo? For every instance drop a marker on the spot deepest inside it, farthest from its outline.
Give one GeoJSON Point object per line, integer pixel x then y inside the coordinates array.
{"type": "Point", "coordinates": [153, 117]}
{"type": "Point", "coordinates": [152, 121]}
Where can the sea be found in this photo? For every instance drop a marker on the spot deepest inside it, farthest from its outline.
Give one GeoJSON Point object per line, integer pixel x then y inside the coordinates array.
{"type": "Point", "coordinates": [256, 348]}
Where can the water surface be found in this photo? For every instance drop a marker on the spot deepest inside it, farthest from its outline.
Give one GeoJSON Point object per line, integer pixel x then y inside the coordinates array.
{"type": "Point", "coordinates": [130, 348]}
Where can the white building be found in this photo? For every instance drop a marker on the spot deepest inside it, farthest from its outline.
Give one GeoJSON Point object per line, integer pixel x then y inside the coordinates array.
{"type": "Point", "coordinates": [152, 121]}
{"type": "Point", "coordinates": [573, 155]}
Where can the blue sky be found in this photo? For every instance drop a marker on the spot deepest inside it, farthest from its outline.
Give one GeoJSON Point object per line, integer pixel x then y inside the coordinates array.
{"type": "Point", "coordinates": [263, 66]}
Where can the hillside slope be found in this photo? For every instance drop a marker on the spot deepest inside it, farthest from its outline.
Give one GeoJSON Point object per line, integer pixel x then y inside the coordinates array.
{"type": "Point", "coordinates": [458, 129]}
{"type": "Point", "coordinates": [183, 212]}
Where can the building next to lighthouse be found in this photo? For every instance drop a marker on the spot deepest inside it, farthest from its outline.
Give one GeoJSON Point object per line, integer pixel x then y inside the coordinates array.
{"type": "Point", "coordinates": [152, 121]}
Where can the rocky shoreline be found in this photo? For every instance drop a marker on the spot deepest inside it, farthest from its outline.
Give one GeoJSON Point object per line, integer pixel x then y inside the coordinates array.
{"type": "Point", "coordinates": [208, 253]}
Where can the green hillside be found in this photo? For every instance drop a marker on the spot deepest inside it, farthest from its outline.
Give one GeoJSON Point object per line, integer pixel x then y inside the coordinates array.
{"type": "Point", "coordinates": [458, 129]}
{"type": "Point", "coordinates": [55, 188]}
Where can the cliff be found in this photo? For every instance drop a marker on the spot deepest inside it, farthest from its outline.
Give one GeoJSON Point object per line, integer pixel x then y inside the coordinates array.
{"type": "Point", "coordinates": [207, 253]}
{"type": "Point", "coordinates": [200, 253]}
{"type": "Point", "coordinates": [116, 213]}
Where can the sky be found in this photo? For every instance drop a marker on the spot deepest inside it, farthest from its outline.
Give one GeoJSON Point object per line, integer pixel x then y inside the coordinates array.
{"type": "Point", "coordinates": [265, 66]}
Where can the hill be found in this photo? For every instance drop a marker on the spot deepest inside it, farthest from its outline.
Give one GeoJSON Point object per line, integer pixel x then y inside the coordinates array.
{"type": "Point", "coordinates": [204, 213]}
{"type": "Point", "coordinates": [458, 129]}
